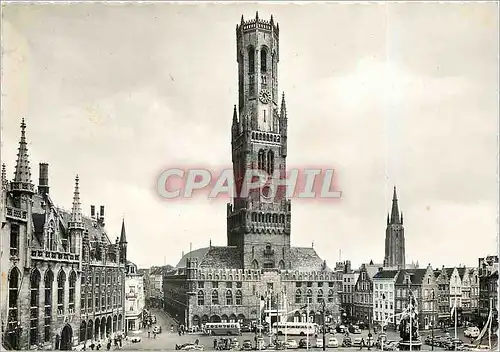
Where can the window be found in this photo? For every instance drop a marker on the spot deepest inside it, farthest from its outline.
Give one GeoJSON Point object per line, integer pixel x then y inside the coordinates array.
{"type": "Point", "coordinates": [14, 239]}
{"type": "Point", "coordinates": [229, 298]}
{"type": "Point", "coordinates": [72, 282]}
{"type": "Point", "coordinates": [13, 307]}
{"type": "Point", "coordinates": [263, 60]}
{"type": "Point", "coordinates": [309, 296]}
{"type": "Point", "coordinates": [215, 284]}
{"type": "Point", "coordinates": [251, 60]}
{"type": "Point", "coordinates": [201, 284]}
{"type": "Point", "coordinates": [48, 280]}
{"type": "Point", "coordinates": [34, 303]}
{"type": "Point", "coordinates": [239, 284]}
{"type": "Point", "coordinates": [61, 280]}
{"type": "Point", "coordinates": [201, 298]}
{"type": "Point", "coordinates": [215, 298]}
{"type": "Point", "coordinates": [298, 296]}
{"type": "Point", "coordinates": [239, 298]}
{"type": "Point", "coordinates": [298, 284]}
{"type": "Point", "coordinates": [309, 284]}
{"type": "Point", "coordinates": [320, 296]}
{"type": "Point", "coordinates": [229, 284]}
{"type": "Point", "coordinates": [330, 296]}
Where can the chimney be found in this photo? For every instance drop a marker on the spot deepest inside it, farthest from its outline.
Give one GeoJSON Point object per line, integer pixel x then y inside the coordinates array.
{"type": "Point", "coordinates": [92, 212]}
{"type": "Point", "coordinates": [101, 215]}
{"type": "Point", "coordinates": [43, 179]}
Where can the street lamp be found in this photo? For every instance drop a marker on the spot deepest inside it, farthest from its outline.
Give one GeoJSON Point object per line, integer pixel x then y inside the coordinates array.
{"type": "Point", "coordinates": [432, 321]}
{"type": "Point", "coordinates": [324, 325]}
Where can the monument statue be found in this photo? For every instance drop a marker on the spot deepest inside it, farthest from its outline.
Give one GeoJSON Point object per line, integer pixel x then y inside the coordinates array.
{"type": "Point", "coordinates": [408, 327]}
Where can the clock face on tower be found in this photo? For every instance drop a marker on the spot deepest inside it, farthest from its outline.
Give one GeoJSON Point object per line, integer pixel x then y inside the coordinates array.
{"type": "Point", "coordinates": [265, 96]}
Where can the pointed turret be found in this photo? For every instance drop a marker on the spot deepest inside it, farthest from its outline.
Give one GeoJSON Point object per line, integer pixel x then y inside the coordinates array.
{"type": "Point", "coordinates": [123, 235]}
{"type": "Point", "coordinates": [235, 126]}
{"type": "Point", "coordinates": [283, 126]}
{"type": "Point", "coordinates": [401, 218]}
{"type": "Point", "coordinates": [395, 208]}
{"type": "Point", "coordinates": [388, 219]}
{"type": "Point", "coordinates": [22, 175]}
{"type": "Point", "coordinates": [76, 221]}
{"type": "Point", "coordinates": [283, 107]}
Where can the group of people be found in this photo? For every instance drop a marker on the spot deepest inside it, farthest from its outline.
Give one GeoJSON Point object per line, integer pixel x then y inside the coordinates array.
{"type": "Point", "coordinates": [116, 341]}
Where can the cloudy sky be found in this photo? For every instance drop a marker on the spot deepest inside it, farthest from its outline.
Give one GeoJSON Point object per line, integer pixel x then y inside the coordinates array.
{"type": "Point", "coordinates": [399, 94]}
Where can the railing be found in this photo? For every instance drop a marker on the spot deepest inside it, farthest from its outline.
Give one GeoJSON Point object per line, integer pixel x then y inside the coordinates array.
{"type": "Point", "coordinates": [21, 186]}
{"type": "Point", "coordinates": [45, 254]}
{"type": "Point", "coordinates": [17, 214]}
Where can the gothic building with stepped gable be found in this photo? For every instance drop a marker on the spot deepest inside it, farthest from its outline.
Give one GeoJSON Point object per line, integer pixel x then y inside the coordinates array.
{"type": "Point", "coordinates": [258, 267]}
{"type": "Point", "coordinates": [62, 277]}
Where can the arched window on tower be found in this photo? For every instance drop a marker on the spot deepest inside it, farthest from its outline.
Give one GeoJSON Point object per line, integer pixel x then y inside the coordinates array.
{"type": "Point", "coordinates": [251, 60]}
{"type": "Point", "coordinates": [263, 60]}
{"type": "Point", "coordinates": [255, 264]}
{"type": "Point", "coordinates": [239, 298]}
{"type": "Point", "coordinates": [261, 160]}
{"type": "Point", "coordinates": [330, 296]}
{"type": "Point", "coordinates": [201, 298]}
{"type": "Point", "coordinates": [270, 162]}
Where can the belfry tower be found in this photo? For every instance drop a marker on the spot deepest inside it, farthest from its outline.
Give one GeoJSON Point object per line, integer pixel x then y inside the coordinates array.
{"type": "Point", "coordinates": [258, 223]}
{"type": "Point", "coordinates": [395, 237]}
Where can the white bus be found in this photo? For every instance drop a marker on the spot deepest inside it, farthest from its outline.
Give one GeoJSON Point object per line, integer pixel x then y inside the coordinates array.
{"type": "Point", "coordinates": [292, 328]}
{"type": "Point", "coordinates": [222, 329]}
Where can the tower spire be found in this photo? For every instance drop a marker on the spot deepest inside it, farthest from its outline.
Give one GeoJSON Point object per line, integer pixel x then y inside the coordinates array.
{"type": "Point", "coordinates": [22, 174]}
{"type": "Point", "coordinates": [395, 208]}
{"type": "Point", "coordinates": [123, 235]}
{"type": "Point", "coordinates": [76, 220]}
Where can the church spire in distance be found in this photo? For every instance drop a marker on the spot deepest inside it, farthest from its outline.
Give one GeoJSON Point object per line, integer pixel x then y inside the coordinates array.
{"type": "Point", "coordinates": [22, 175]}
{"type": "Point", "coordinates": [395, 219]}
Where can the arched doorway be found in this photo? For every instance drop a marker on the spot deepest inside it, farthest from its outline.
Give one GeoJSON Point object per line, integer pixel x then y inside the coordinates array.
{"type": "Point", "coordinates": [108, 326]}
{"type": "Point", "coordinates": [215, 319]}
{"type": "Point", "coordinates": [103, 328]}
{"type": "Point", "coordinates": [97, 329]}
{"type": "Point", "coordinates": [204, 319]}
{"type": "Point", "coordinates": [66, 343]}
{"type": "Point", "coordinates": [115, 323]}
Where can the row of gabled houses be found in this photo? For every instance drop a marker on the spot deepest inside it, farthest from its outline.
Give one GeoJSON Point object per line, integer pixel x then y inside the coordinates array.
{"type": "Point", "coordinates": [377, 295]}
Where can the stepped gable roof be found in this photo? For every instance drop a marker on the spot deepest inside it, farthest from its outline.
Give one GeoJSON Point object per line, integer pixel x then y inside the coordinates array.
{"type": "Point", "coordinates": [449, 271]}
{"type": "Point", "coordinates": [386, 274]}
{"type": "Point", "coordinates": [306, 259]}
{"type": "Point", "coordinates": [222, 257]}
{"type": "Point", "coordinates": [437, 273]}
{"type": "Point", "coordinates": [417, 275]}
{"type": "Point", "coordinates": [462, 271]}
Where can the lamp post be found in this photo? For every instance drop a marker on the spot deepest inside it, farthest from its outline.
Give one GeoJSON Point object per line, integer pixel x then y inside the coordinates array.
{"type": "Point", "coordinates": [432, 321]}
{"type": "Point", "coordinates": [324, 325]}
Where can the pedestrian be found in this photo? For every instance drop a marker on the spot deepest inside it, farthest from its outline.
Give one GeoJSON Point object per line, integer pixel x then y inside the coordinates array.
{"type": "Point", "coordinates": [180, 332]}
{"type": "Point", "coordinates": [215, 344]}
{"type": "Point", "coordinates": [149, 334]}
{"type": "Point", "coordinates": [92, 345]}
{"type": "Point", "coordinates": [108, 346]}
{"type": "Point", "coordinates": [154, 334]}
{"type": "Point", "coordinates": [361, 344]}
{"type": "Point", "coordinates": [98, 347]}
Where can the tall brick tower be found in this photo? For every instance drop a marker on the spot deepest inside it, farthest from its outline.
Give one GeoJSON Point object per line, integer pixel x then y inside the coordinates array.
{"type": "Point", "coordinates": [395, 237]}
{"type": "Point", "coordinates": [259, 224]}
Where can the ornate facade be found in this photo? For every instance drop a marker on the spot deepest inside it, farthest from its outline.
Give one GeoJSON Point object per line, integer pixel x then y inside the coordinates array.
{"type": "Point", "coordinates": [134, 295]}
{"type": "Point", "coordinates": [62, 278]}
{"type": "Point", "coordinates": [259, 263]}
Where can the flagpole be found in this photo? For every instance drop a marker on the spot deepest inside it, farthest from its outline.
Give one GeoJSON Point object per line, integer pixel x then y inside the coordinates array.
{"type": "Point", "coordinates": [491, 322]}
{"type": "Point", "coordinates": [456, 319]}
{"type": "Point", "coordinates": [307, 323]}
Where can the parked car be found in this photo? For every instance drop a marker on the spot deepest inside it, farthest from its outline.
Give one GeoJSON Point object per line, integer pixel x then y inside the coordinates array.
{"type": "Point", "coordinates": [346, 342]}
{"type": "Point", "coordinates": [357, 342]}
{"type": "Point", "coordinates": [319, 343]}
{"type": "Point", "coordinates": [247, 345]}
{"type": "Point", "coordinates": [341, 329]}
{"type": "Point", "coordinates": [291, 345]}
{"type": "Point", "coordinates": [246, 328]}
{"type": "Point", "coordinates": [333, 342]}
{"type": "Point", "coordinates": [471, 331]}
{"type": "Point", "coordinates": [354, 329]}
{"type": "Point", "coordinates": [304, 343]}
{"type": "Point", "coordinates": [391, 346]}
{"type": "Point", "coordinates": [135, 339]}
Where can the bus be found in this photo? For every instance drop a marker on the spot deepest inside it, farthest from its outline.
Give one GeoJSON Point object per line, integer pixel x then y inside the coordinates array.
{"type": "Point", "coordinates": [222, 329]}
{"type": "Point", "coordinates": [295, 328]}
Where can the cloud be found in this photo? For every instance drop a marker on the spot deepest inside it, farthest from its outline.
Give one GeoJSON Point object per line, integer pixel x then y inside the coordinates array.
{"type": "Point", "coordinates": [385, 94]}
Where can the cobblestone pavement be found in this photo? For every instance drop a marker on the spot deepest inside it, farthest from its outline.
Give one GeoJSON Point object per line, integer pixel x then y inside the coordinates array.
{"type": "Point", "coordinates": [167, 340]}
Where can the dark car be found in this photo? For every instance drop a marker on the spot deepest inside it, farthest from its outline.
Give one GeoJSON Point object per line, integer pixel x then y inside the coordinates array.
{"type": "Point", "coordinates": [247, 345]}
{"type": "Point", "coordinates": [246, 328]}
{"type": "Point", "coordinates": [304, 343]}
